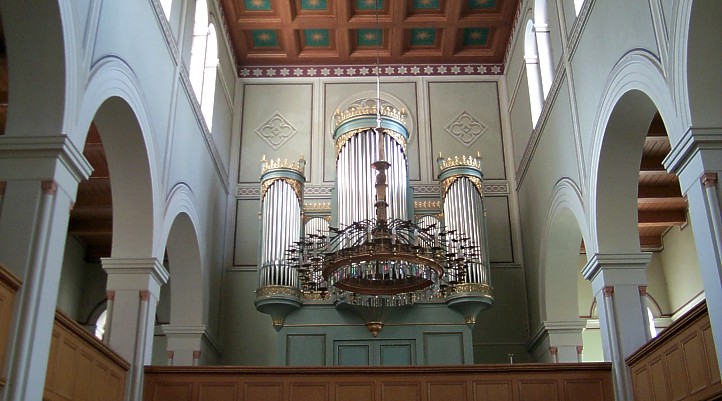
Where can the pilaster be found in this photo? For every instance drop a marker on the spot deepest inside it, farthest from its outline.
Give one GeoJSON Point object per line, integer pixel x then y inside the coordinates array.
{"type": "Point", "coordinates": [697, 160]}
{"type": "Point", "coordinates": [40, 176]}
{"type": "Point", "coordinates": [617, 280]}
{"type": "Point", "coordinates": [185, 344]}
{"type": "Point", "coordinates": [557, 341]}
{"type": "Point", "coordinates": [135, 288]}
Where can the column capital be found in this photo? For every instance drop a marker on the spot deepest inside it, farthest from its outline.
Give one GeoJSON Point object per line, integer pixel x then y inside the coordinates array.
{"type": "Point", "coordinates": [621, 268]}
{"type": "Point", "coordinates": [709, 179]}
{"type": "Point", "coordinates": [184, 331]}
{"type": "Point", "coordinates": [37, 157]}
{"type": "Point", "coordinates": [688, 158]}
{"type": "Point", "coordinates": [135, 273]}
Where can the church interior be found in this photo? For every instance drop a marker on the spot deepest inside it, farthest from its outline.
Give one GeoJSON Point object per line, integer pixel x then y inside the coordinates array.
{"type": "Point", "coordinates": [472, 199]}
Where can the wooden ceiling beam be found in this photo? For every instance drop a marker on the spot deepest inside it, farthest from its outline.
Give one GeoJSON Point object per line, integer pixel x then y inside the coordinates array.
{"type": "Point", "coordinates": [650, 243]}
{"type": "Point", "coordinates": [661, 218]}
{"type": "Point", "coordinates": [658, 191]}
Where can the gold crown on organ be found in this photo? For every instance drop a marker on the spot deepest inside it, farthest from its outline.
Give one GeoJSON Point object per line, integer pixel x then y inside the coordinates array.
{"type": "Point", "coordinates": [468, 161]}
{"type": "Point", "coordinates": [357, 111]}
{"type": "Point", "coordinates": [268, 165]}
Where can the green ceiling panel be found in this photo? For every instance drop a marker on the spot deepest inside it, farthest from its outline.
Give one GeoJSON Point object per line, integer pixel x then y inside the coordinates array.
{"type": "Point", "coordinates": [316, 37]}
{"type": "Point", "coordinates": [264, 38]}
{"type": "Point", "coordinates": [475, 36]}
{"type": "Point", "coordinates": [482, 4]}
{"type": "Point", "coordinates": [423, 36]}
{"type": "Point", "coordinates": [257, 5]}
{"type": "Point", "coordinates": [369, 4]}
{"type": "Point", "coordinates": [314, 5]}
{"type": "Point", "coordinates": [369, 37]}
{"type": "Point", "coordinates": [426, 4]}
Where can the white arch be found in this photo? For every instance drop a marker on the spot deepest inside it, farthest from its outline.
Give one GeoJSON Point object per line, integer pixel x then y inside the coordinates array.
{"type": "Point", "coordinates": [636, 79]}
{"type": "Point", "coordinates": [134, 184]}
{"type": "Point", "coordinates": [186, 257]}
{"type": "Point", "coordinates": [565, 223]}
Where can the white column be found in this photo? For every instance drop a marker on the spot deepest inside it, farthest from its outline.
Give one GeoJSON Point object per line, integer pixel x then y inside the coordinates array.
{"type": "Point", "coordinates": [544, 48]}
{"type": "Point", "coordinates": [135, 284]}
{"type": "Point", "coordinates": [184, 344]}
{"type": "Point", "coordinates": [697, 161]}
{"type": "Point", "coordinates": [616, 281]}
{"type": "Point", "coordinates": [41, 176]}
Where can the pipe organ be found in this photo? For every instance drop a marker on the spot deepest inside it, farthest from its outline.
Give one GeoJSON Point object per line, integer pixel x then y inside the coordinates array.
{"type": "Point", "coordinates": [461, 183]}
{"type": "Point", "coordinates": [373, 256]}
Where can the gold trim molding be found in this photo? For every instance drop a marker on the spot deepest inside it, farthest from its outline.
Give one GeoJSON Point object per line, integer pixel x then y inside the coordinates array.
{"type": "Point", "coordinates": [269, 165]}
{"type": "Point", "coordinates": [271, 290]}
{"type": "Point", "coordinates": [355, 111]}
{"type": "Point", "coordinates": [341, 140]}
{"type": "Point", "coordinates": [297, 187]}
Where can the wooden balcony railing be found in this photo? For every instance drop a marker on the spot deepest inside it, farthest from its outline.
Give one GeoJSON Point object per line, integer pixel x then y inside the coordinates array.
{"type": "Point", "coordinates": [80, 367]}
{"type": "Point", "coordinates": [522, 382]}
{"type": "Point", "coordinates": [9, 285]}
{"type": "Point", "coordinates": [680, 364]}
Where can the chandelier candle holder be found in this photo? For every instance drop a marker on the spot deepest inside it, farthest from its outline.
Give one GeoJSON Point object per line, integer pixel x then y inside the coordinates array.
{"type": "Point", "coordinates": [469, 290]}
{"type": "Point", "coordinates": [279, 289]}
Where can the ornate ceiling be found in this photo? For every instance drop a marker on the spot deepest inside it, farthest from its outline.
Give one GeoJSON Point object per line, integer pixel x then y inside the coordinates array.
{"type": "Point", "coordinates": [342, 32]}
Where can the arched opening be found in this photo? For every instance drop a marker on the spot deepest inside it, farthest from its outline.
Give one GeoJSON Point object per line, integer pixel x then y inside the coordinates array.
{"type": "Point", "coordinates": [210, 75]}
{"type": "Point", "coordinates": [130, 175]}
{"type": "Point", "coordinates": [182, 306]}
{"type": "Point", "coordinates": [533, 73]}
{"type": "Point", "coordinates": [545, 35]}
{"type": "Point", "coordinates": [562, 258]}
{"type": "Point", "coordinates": [90, 236]}
{"type": "Point", "coordinates": [641, 209]}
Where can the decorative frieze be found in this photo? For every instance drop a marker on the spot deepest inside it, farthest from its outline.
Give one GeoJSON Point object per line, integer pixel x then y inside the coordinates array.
{"type": "Point", "coordinates": [355, 71]}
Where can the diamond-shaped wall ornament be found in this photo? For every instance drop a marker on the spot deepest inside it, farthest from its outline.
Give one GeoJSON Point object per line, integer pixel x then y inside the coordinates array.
{"type": "Point", "coordinates": [276, 131]}
{"type": "Point", "coordinates": [466, 129]}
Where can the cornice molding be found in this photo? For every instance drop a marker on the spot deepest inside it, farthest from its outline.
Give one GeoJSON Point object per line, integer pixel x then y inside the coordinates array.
{"type": "Point", "coordinates": [368, 70]}
{"type": "Point", "coordinates": [53, 147]}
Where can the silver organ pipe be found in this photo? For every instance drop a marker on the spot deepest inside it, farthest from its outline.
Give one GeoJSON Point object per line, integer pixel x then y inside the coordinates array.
{"type": "Point", "coordinates": [464, 212]}
{"type": "Point", "coordinates": [355, 179]}
{"type": "Point", "coordinates": [281, 200]}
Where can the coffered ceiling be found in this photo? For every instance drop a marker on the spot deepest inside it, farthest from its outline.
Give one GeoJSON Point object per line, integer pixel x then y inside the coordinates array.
{"type": "Point", "coordinates": [336, 32]}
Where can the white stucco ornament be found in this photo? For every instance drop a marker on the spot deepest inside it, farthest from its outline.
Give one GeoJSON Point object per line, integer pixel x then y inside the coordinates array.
{"type": "Point", "coordinates": [466, 129]}
{"type": "Point", "coordinates": [276, 131]}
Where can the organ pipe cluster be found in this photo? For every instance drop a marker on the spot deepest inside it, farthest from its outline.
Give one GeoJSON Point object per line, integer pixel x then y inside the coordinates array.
{"type": "Point", "coordinates": [373, 255]}
{"type": "Point", "coordinates": [281, 207]}
{"type": "Point", "coordinates": [357, 148]}
{"type": "Point", "coordinates": [463, 207]}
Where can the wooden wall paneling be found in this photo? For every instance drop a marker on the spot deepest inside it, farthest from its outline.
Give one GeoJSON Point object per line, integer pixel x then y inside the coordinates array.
{"type": "Point", "coordinates": [493, 390]}
{"type": "Point", "coordinates": [306, 391]}
{"type": "Point", "coordinates": [519, 382]}
{"type": "Point", "coordinates": [400, 391]}
{"type": "Point", "coordinates": [446, 391]}
{"type": "Point", "coordinates": [585, 389]}
{"type": "Point", "coordinates": [350, 391]}
{"type": "Point", "coordinates": [9, 285]}
{"type": "Point", "coordinates": [538, 390]}
{"type": "Point", "coordinates": [263, 390]}
{"type": "Point", "coordinates": [680, 364]}
{"type": "Point", "coordinates": [81, 368]}
{"type": "Point", "coordinates": [218, 391]}
{"type": "Point", "coordinates": [178, 391]}
{"type": "Point", "coordinates": [711, 354]}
